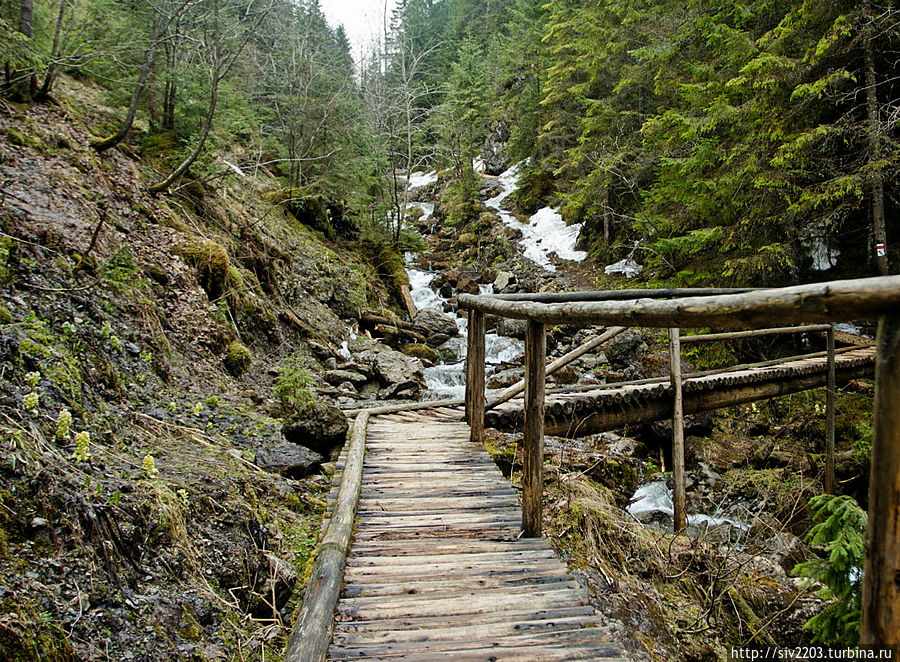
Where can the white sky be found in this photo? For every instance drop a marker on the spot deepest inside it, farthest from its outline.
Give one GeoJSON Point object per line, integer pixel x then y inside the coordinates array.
{"type": "Point", "coordinates": [362, 19]}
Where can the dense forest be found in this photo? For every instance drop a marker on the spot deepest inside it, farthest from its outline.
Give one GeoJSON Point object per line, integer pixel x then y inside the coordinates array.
{"type": "Point", "coordinates": [719, 141]}
{"type": "Point", "coordinates": [205, 210]}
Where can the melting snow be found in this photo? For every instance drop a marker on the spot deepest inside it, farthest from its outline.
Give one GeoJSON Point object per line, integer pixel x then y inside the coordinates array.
{"type": "Point", "coordinates": [545, 233]}
{"type": "Point", "coordinates": [417, 179]}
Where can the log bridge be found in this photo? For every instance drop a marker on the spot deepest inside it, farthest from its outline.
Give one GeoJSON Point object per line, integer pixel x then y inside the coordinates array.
{"type": "Point", "coordinates": [425, 552]}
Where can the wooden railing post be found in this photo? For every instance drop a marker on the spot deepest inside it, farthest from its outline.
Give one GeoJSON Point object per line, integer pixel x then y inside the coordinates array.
{"type": "Point", "coordinates": [829, 416]}
{"type": "Point", "coordinates": [880, 618]}
{"type": "Point", "coordinates": [533, 462]}
{"type": "Point", "coordinates": [678, 497]}
{"type": "Point", "coordinates": [475, 377]}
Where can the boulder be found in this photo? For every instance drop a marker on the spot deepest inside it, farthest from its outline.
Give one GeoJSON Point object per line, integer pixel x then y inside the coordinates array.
{"type": "Point", "coordinates": [495, 153]}
{"type": "Point", "coordinates": [504, 283]}
{"type": "Point", "coordinates": [431, 321]}
{"type": "Point", "coordinates": [420, 351]}
{"type": "Point", "coordinates": [626, 349]}
{"type": "Point", "coordinates": [319, 426]}
{"type": "Point", "coordinates": [337, 377]}
{"type": "Point", "coordinates": [401, 376]}
{"type": "Point", "coordinates": [512, 328]}
{"type": "Point", "coordinates": [289, 460]}
{"type": "Point", "coordinates": [505, 378]}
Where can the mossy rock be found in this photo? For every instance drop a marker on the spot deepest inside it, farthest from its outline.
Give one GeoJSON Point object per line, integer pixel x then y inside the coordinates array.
{"type": "Point", "coordinates": [311, 209]}
{"type": "Point", "coordinates": [211, 261]}
{"type": "Point", "coordinates": [420, 351]}
{"type": "Point", "coordinates": [22, 139]}
{"type": "Point", "coordinates": [468, 239]}
{"type": "Point", "coordinates": [5, 316]}
{"type": "Point", "coordinates": [237, 359]}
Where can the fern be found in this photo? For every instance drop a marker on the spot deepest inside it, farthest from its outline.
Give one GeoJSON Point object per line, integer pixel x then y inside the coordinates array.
{"type": "Point", "coordinates": [841, 529]}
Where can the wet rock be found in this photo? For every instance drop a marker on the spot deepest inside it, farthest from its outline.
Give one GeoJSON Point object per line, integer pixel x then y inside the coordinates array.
{"type": "Point", "coordinates": [505, 378]}
{"type": "Point", "coordinates": [566, 375]}
{"type": "Point", "coordinates": [401, 376]}
{"type": "Point", "coordinates": [512, 328]}
{"type": "Point", "coordinates": [431, 321]}
{"type": "Point", "coordinates": [626, 349]}
{"type": "Point", "coordinates": [420, 351]}
{"type": "Point", "coordinates": [289, 460]}
{"type": "Point", "coordinates": [504, 283]}
{"type": "Point", "coordinates": [337, 377]}
{"type": "Point", "coordinates": [319, 426]}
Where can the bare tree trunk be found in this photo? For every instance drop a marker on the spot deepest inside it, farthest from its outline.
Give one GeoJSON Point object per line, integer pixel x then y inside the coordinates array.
{"type": "Point", "coordinates": [22, 84]}
{"type": "Point", "coordinates": [50, 76]}
{"type": "Point", "coordinates": [204, 134]}
{"type": "Point", "coordinates": [159, 26]}
{"type": "Point", "coordinates": [879, 227]}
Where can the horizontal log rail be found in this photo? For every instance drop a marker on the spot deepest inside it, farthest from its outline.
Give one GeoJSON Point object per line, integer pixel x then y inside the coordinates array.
{"type": "Point", "coordinates": [756, 333]}
{"type": "Point", "coordinates": [835, 301]}
{"type": "Point", "coordinates": [312, 633]}
{"type": "Point", "coordinates": [674, 309]}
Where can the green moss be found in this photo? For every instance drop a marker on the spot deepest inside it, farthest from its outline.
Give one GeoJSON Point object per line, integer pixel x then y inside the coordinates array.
{"type": "Point", "coordinates": [237, 359]}
{"type": "Point", "coordinates": [22, 139]}
{"type": "Point", "coordinates": [5, 316]}
{"type": "Point", "coordinates": [189, 628]}
{"type": "Point", "coordinates": [211, 261]}
{"type": "Point", "coordinates": [419, 351]}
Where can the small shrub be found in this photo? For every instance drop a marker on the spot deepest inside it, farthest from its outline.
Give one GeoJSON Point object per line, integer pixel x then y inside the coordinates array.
{"type": "Point", "coordinates": [293, 388]}
{"type": "Point", "coordinates": [237, 359]}
{"type": "Point", "coordinates": [841, 529]}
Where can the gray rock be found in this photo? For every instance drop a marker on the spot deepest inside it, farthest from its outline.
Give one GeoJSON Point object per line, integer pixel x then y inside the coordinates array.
{"type": "Point", "coordinates": [495, 153]}
{"type": "Point", "coordinates": [320, 426]}
{"type": "Point", "coordinates": [431, 321]}
{"type": "Point", "coordinates": [338, 377]}
{"type": "Point", "coordinates": [503, 282]}
{"type": "Point", "coordinates": [626, 349]}
{"type": "Point", "coordinates": [512, 328]}
{"type": "Point", "coordinates": [289, 460]}
{"type": "Point", "coordinates": [505, 378]}
{"type": "Point", "coordinates": [400, 375]}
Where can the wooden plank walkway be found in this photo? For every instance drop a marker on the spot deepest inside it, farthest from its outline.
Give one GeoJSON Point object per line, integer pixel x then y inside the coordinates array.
{"type": "Point", "coordinates": [587, 411]}
{"type": "Point", "coordinates": [437, 569]}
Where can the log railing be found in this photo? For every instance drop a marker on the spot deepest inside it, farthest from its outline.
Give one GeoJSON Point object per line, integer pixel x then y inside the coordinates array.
{"type": "Point", "coordinates": [829, 302]}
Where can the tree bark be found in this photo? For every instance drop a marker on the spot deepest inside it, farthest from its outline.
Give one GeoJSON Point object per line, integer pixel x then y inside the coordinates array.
{"type": "Point", "coordinates": [879, 226]}
{"type": "Point", "coordinates": [159, 26]}
{"type": "Point", "coordinates": [880, 618]}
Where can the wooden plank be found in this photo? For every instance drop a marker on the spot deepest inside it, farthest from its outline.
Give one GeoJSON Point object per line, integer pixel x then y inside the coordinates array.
{"type": "Point", "coordinates": [533, 445]}
{"type": "Point", "coordinates": [415, 598]}
{"type": "Point", "coordinates": [443, 585]}
{"type": "Point", "coordinates": [499, 653]}
{"type": "Point", "coordinates": [466, 604]}
{"type": "Point", "coordinates": [439, 547]}
{"type": "Point", "coordinates": [427, 623]}
{"type": "Point", "coordinates": [466, 632]}
{"type": "Point", "coordinates": [460, 555]}
{"type": "Point", "coordinates": [598, 637]}
{"type": "Point", "coordinates": [880, 624]}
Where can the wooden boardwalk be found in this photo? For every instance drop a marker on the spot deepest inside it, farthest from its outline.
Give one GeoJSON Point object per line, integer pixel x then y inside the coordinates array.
{"type": "Point", "coordinates": [437, 569]}
{"type": "Point", "coordinates": [602, 408]}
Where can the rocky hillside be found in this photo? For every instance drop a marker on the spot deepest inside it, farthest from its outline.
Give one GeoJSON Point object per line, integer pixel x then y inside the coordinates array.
{"type": "Point", "coordinates": [151, 348]}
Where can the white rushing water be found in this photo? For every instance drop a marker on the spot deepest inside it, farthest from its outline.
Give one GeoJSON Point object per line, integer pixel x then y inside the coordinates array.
{"type": "Point", "coordinates": [447, 380]}
{"type": "Point", "coordinates": [655, 497]}
{"type": "Point", "coordinates": [546, 232]}
{"type": "Point", "coordinates": [417, 179]}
